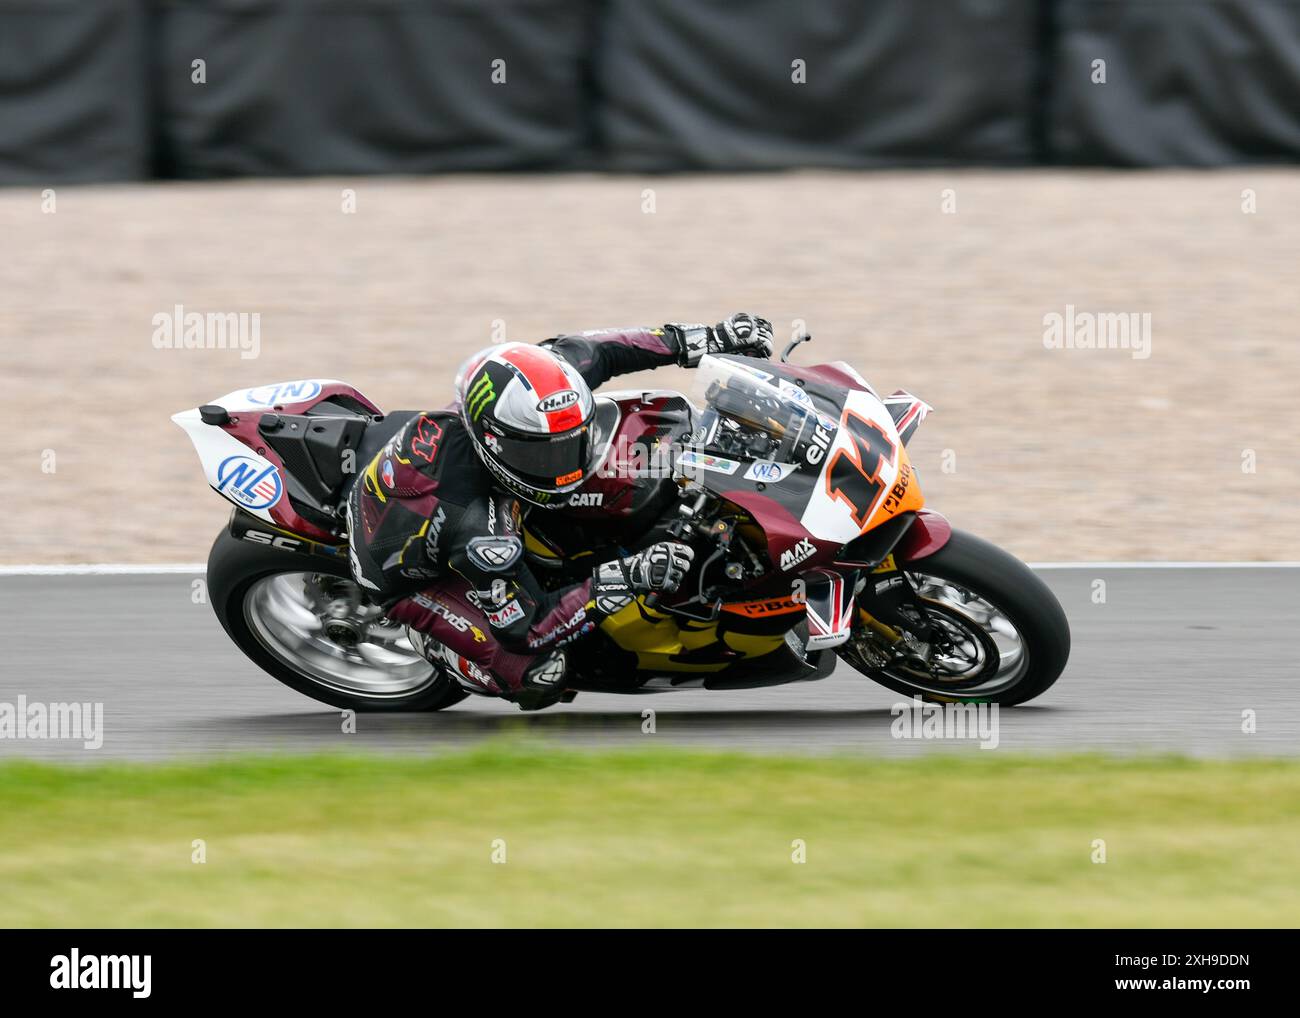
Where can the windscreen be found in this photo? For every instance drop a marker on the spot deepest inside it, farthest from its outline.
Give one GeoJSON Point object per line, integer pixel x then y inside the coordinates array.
{"type": "Point", "coordinates": [749, 413]}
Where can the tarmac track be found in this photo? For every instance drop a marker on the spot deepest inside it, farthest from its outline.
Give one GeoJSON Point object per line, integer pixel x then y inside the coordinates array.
{"type": "Point", "coordinates": [1168, 663]}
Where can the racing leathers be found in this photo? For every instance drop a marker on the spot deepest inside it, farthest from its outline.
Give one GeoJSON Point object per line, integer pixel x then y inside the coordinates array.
{"type": "Point", "coordinates": [443, 549]}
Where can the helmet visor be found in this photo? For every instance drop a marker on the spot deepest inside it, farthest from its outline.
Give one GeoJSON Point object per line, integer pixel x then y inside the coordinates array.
{"type": "Point", "coordinates": [545, 462]}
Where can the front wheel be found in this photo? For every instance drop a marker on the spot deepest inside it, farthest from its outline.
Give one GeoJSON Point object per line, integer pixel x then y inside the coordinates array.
{"type": "Point", "coordinates": [303, 621]}
{"type": "Point", "coordinates": [995, 632]}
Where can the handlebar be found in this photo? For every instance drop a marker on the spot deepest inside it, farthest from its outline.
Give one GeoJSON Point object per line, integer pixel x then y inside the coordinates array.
{"type": "Point", "coordinates": [785, 354]}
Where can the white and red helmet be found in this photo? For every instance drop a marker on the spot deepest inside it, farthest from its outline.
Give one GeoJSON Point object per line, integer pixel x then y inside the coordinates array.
{"type": "Point", "coordinates": [532, 419]}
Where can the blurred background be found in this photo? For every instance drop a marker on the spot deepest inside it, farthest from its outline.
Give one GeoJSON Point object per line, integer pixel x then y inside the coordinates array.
{"type": "Point", "coordinates": [194, 89]}
{"type": "Point", "coordinates": [391, 184]}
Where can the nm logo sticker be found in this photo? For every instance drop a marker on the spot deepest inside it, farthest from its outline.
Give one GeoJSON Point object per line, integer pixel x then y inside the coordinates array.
{"type": "Point", "coordinates": [253, 483]}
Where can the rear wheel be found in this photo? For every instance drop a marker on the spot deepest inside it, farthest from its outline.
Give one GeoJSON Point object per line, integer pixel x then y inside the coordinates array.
{"type": "Point", "coordinates": [303, 620]}
{"type": "Point", "coordinates": [997, 634]}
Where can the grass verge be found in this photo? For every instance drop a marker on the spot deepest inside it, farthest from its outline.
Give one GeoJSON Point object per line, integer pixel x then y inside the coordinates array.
{"type": "Point", "coordinates": [659, 838]}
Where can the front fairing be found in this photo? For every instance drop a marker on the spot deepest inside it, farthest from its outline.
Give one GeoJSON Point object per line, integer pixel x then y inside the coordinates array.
{"type": "Point", "coordinates": [798, 451]}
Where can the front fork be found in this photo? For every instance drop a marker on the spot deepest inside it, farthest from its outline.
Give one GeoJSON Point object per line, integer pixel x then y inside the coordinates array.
{"type": "Point", "coordinates": [889, 607]}
{"type": "Point", "coordinates": [886, 602]}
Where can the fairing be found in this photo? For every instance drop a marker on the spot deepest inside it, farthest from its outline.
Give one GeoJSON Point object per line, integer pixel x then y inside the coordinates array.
{"type": "Point", "coordinates": [242, 467]}
{"type": "Point", "coordinates": [813, 446]}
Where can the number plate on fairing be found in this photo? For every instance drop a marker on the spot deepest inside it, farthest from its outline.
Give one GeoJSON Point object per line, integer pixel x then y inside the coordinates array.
{"type": "Point", "coordinates": [866, 477]}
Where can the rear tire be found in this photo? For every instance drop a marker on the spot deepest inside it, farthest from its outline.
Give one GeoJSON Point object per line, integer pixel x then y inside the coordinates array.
{"type": "Point", "coordinates": [1018, 595]}
{"type": "Point", "coordinates": [238, 572]}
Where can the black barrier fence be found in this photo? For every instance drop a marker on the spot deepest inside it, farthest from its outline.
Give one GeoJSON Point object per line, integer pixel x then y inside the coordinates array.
{"type": "Point", "coordinates": [129, 89]}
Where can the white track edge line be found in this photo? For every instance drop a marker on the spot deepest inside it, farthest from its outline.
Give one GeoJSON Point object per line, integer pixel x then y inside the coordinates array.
{"type": "Point", "coordinates": [1164, 565]}
{"type": "Point", "coordinates": [104, 569]}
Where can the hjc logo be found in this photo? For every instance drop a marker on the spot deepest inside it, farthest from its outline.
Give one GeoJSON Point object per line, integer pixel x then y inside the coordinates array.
{"type": "Point", "coordinates": [558, 401]}
{"type": "Point", "coordinates": [254, 484]}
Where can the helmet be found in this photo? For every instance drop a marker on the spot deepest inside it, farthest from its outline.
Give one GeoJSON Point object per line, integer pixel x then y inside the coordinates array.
{"type": "Point", "coordinates": [531, 417]}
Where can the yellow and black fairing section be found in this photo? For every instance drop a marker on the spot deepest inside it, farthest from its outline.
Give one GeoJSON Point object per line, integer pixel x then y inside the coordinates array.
{"type": "Point", "coordinates": [748, 643]}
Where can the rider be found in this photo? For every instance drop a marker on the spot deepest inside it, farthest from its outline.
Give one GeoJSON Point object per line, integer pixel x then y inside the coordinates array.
{"type": "Point", "coordinates": [441, 541]}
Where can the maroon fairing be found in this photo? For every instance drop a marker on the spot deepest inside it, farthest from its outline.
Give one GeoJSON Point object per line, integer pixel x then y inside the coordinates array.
{"type": "Point", "coordinates": [784, 532]}
{"type": "Point", "coordinates": [243, 426]}
{"type": "Point", "coordinates": [928, 533]}
{"type": "Point", "coordinates": [828, 374]}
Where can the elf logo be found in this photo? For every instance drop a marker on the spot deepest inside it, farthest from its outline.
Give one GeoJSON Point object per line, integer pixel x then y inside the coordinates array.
{"type": "Point", "coordinates": [561, 400]}
{"type": "Point", "coordinates": [821, 441]}
{"type": "Point", "coordinates": [75, 971]}
{"type": "Point", "coordinates": [791, 557]}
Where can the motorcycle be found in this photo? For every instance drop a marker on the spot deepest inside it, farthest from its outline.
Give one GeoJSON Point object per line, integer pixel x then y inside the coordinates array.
{"type": "Point", "coordinates": [813, 542]}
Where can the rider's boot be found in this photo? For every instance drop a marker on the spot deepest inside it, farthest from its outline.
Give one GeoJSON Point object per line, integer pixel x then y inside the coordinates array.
{"type": "Point", "coordinates": [542, 683]}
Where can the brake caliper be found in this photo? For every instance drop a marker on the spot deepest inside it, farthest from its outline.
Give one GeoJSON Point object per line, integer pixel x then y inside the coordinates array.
{"type": "Point", "coordinates": [889, 607]}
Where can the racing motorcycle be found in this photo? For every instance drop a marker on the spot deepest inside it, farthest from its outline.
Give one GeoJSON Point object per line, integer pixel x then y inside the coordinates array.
{"type": "Point", "coordinates": [793, 484]}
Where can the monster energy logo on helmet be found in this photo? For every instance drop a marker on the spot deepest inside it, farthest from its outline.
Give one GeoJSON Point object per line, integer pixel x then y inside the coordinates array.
{"type": "Point", "coordinates": [480, 396]}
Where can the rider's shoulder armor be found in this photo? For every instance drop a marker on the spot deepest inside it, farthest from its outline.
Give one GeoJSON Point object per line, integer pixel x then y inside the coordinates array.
{"type": "Point", "coordinates": [411, 496]}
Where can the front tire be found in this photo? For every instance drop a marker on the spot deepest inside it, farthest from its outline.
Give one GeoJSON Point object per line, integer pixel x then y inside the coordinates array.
{"type": "Point", "coordinates": [299, 617]}
{"type": "Point", "coordinates": [1003, 637]}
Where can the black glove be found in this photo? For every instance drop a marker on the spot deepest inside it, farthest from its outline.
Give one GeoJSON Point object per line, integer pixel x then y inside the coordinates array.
{"type": "Point", "coordinates": [658, 569]}
{"type": "Point", "coordinates": [741, 333]}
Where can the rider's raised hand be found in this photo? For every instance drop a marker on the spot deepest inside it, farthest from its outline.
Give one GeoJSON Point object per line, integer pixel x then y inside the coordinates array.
{"type": "Point", "coordinates": [743, 334]}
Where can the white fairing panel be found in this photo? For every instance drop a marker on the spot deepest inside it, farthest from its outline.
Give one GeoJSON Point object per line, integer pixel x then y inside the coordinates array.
{"type": "Point", "coordinates": [831, 519]}
{"type": "Point", "coordinates": [234, 471]}
{"type": "Point", "coordinates": [264, 397]}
